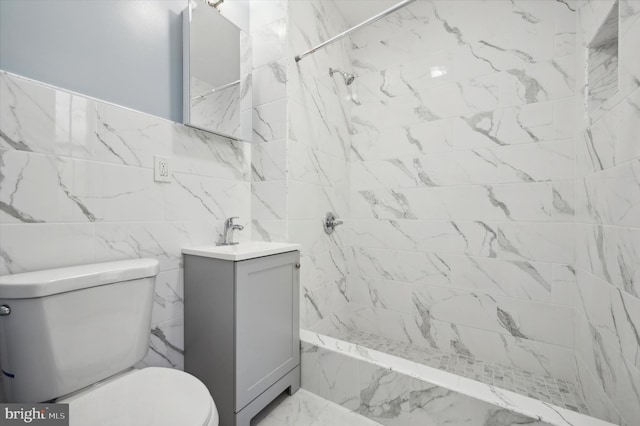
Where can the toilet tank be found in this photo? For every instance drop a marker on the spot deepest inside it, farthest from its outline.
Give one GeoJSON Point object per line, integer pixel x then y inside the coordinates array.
{"type": "Point", "coordinates": [71, 327]}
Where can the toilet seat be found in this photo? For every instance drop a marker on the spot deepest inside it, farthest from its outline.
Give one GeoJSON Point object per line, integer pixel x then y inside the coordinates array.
{"type": "Point", "coordinates": [152, 396]}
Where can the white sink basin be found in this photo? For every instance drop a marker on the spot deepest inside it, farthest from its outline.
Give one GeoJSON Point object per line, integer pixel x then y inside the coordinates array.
{"type": "Point", "coordinates": [242, 251]}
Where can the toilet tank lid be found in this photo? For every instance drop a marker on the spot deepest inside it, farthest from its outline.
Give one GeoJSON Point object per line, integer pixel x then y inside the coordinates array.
{"type": "Point", "coordinates": [53, 281]}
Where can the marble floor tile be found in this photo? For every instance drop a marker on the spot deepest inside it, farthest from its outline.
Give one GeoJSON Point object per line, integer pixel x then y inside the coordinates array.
{"type": "Point", "coordinates": [306, 409]}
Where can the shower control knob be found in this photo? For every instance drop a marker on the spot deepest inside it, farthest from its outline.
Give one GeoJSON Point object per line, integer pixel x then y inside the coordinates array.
{"type": "Point", "coordinates": [4, 310]}
{"type": "Point", "coordinates": [330, 222]}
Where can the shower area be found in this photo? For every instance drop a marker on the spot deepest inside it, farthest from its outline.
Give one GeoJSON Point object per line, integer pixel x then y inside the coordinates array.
{"type": "Point", "coordinates": [484, 158]}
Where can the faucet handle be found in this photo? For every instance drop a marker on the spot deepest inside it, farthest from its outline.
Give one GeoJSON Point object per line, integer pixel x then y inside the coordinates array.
{"type": "Point", "coordinates": [229, 220]}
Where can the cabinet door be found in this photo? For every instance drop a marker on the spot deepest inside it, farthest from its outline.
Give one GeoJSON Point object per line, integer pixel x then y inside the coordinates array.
{"type": "Point", "coordinates": [267, 325]}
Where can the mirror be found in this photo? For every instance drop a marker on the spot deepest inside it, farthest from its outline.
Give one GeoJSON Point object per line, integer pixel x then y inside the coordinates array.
{"type": "Point", "coordinates": [213, 87]}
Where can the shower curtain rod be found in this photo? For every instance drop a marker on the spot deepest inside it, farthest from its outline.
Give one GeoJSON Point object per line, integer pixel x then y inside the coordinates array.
{"type": "Point", "coordinates": [356, 28]}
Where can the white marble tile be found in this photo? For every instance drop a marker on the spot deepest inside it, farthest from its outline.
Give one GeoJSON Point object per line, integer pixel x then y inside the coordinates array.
{"type": "Point", "coordinates": [606, 318]}
{"type": "Point", "coordinates": [436, 405]}
{"type": "Point", "coordinates": [444, 384]}
{"type": "Point", "coordinates": [37, 188]}
{"type": "Point", "coordinates": [192, 197]}
{"type": "Point", "coordinates": [168, 299]}
{"type": "Point", "coordinates": [509, 240]}
{"type": "Point", "coordinates": [538, 82]}
{"type": "Point", "coordinates": [536, 321]}
{"type": "Point", "coordinates": [544, 202]}
{"type": "Point", "coordinates": [543, 121]}
{"type": "Point", "coordinates": [610, 253]}
{"type": "Point", "coordinates": [269, 200]}
{"type": "Point", "coordinates": [269, 230]}
{"type": "Point", "coordinates": [597, 149]}
{"type": "Point", "coordinates": [308, 165]}
{"type": "Point", "coordinates": [130, 138]}
{"type": "Point", "coordinates": [159, 240]}
{"type": "Point", "coordinates": [614, 195]}
{"type": "Point", "coordinates": [113, 192]}
{"type": "Point", "coordinates": [543, 161]}
{"type": "Point", "coordinates": [303, 408]}
{"type": "Point", "coordinates": [37, 246]}
{"type": "Point", "coordinates": [269, 121]}
{"type": "Point", "coordinates": [270, 82]}
{"type": "Point", "coordinates": [197, 152]}
{"type": "Point", "coordinates": [264, 12]}
{"type": "Point", "coordinates": [414, 75]}
{"type": "Point", "coordinates": [629, 68]}
{"type": "Point", "coordinates": [520, 280]}
{"type": "Point", "coordinates": [336, 416]}
{"type": "Point", "coordinates": [267, 421]}
{"type": "Point", "coordinates": [384, 395]}
{"type": "Point", "coordinates": [550, 242]}
{"type": "Point", "coordinates": [320, 122]}
{"type": "Point", "coordinates": [517, 279]}
{"type": "Point", "coordinates": [269, 42]}
{"type": "Point", "coordinates": [338, 379]}
{"type": "Point", "coordinates": [442, 169]}
{"type": "Point", "coordinates": [269, 161]}
{"type": "Point", "coordinates": [309, 366]}
{"type": "Point", "coordinates": [41, 118]}
{"type": "Point", "coordinates": [596, 398]}
{"type": "Point", "coordinates": [564, 289]}
{"type": "Point", "coordinates": [629, 13]}
{"type": "Point", "coordinates": [166, 347]}
{"type": "Point", "coordinates": [629, 111]}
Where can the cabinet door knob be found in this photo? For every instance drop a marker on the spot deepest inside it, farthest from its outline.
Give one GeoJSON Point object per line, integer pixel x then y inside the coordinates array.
{"type": "Point", "coordinates": [297, 265]}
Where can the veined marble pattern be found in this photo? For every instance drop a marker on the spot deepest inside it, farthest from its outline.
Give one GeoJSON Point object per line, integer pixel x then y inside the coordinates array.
{"type": "Point", "coordinates": [269, 120]}
{"type": "Point", "coordinates": [462, 182]}
{"type": "Point", "coordinates": [318, 149]}
{"type": "Point", "coordinates": [607, 189]}
{"type": "Point", "coordinates": [544, 388]}
{"type": "Point", "coordinates": [78, 173]}
{"type": "Point", "coordinates": [306, 409]}
{"type": "Point", "coordinates": [397, 391]}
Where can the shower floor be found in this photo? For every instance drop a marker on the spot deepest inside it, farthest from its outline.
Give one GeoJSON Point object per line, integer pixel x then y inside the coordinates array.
{"type": "Point", "coordinates": [548, 389]}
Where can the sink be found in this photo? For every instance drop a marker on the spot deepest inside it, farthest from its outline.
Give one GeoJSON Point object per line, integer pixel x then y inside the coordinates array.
{"type": "Point", "coordinates": [243, 251]}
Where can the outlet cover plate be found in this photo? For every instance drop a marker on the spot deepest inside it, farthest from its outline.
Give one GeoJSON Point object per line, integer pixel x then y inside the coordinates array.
{"type": "Point", "coordinates": [161, 170]}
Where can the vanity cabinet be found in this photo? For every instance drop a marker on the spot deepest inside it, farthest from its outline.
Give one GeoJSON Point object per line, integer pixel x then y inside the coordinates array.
{"type": "Point", "coordinates": [242, 330]}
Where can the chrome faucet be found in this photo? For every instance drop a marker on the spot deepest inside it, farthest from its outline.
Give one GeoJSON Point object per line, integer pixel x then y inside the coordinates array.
{"type": "Point", "coordinates": [229, 226]}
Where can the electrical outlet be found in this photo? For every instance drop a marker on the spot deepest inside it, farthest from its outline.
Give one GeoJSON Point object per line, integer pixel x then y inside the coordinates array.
{"type": "Point", "coordinates": [161, 169]}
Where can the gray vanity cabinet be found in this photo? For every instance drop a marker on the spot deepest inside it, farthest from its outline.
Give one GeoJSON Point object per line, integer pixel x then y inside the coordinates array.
{"type": "Point", "coordinates": [242, 330]}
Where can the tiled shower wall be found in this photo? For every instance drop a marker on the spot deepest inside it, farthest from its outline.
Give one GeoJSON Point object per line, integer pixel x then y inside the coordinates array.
{"type": "Point", "coordinates": [300, 150]}
{"type": "Point", "coordinates": [269, 152]}
{"type": "Point", "coordinates": [76, 187]}
{"type": "Point", "coordinates": [608, 217]}
{"type": "Point", "coordinates": [462, 180]}
{"type": "Point", "coordinates": [318, 148]}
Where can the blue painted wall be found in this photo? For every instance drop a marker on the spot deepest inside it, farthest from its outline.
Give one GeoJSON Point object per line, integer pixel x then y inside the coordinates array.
{"type": "Point", "coordinates": [121, 51]}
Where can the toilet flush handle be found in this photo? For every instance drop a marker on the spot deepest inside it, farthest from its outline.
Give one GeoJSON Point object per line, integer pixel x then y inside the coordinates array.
{"type": "Point", "coordinates": [4, 310]}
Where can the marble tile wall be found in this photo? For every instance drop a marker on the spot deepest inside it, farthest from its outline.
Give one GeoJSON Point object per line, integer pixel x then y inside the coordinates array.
{"type": "Point", "coordinates": [76, 186]}
{"type": "Point", "coordinates": [318, 152]}
{"type": "Point", "coordinates": [462, 180]}
{"type": "Point", "coordinates": [607, 237]}
{"type": "Point", "coordinates": [269, 34]}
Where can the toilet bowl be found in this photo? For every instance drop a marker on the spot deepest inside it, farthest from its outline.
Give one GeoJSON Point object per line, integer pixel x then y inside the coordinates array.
{"type": "Point", "coordinates": [72, 335]}
{"type": "Point", "coordinates": [152, 396]}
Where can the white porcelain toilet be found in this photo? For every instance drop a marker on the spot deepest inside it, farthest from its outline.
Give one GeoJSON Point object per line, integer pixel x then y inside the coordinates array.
{"type": "Point", "coordinates": [72, 335]}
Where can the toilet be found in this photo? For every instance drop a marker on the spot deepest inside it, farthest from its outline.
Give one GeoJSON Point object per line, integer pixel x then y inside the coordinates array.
{"type": "Point", "coordinates": [72, 335]}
